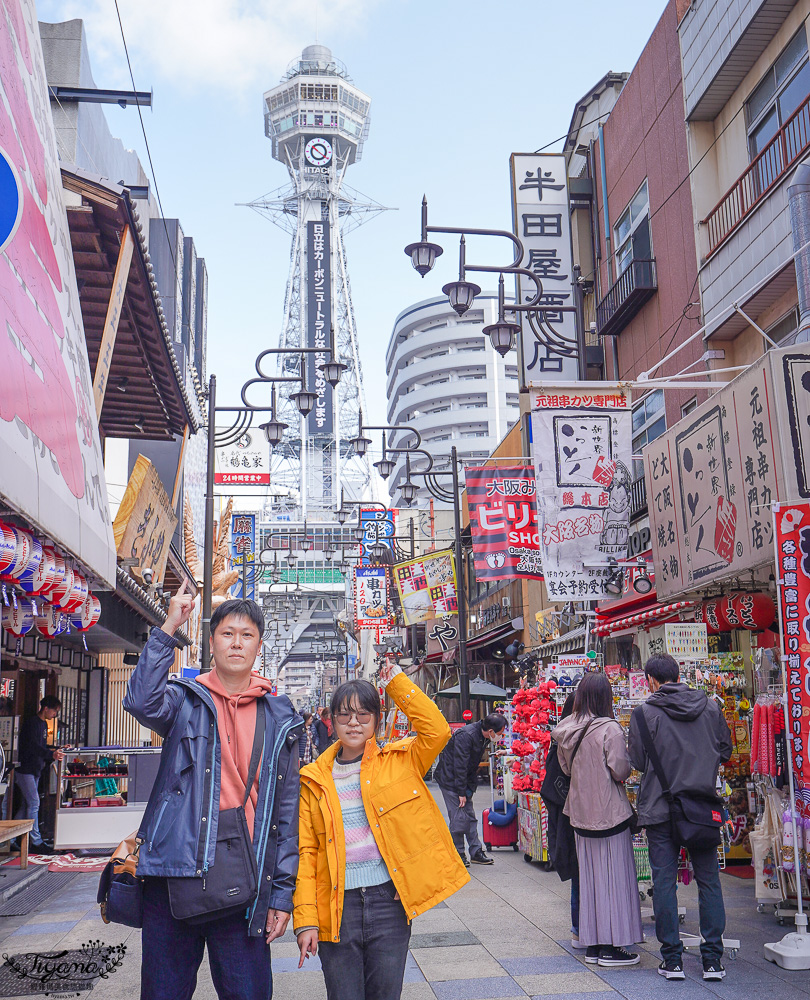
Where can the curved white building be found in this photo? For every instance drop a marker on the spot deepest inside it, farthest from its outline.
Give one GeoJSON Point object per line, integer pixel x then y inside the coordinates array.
{"type": "Point", "coordinates": [445, 380]}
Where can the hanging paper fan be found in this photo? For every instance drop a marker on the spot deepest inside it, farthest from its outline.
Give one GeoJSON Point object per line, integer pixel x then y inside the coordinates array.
{"type": "Point", "coordinates": [51, 621]}
{"type": "Point", "coordinates": [20, 620]}
{"type": "Point", "coordinates": [78, 594]}
{"type": "Point", "coordinates": [87, 615]}
{"type": "Point", "coordinates": [37, 579]}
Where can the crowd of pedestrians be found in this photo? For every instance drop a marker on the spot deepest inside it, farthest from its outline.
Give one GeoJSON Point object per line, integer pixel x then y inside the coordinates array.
{"type": "Point", "coordinates": [342, 835]}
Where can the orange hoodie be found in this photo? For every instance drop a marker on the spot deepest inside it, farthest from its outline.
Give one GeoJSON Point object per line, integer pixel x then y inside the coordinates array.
{"type": "Point", "coordinates": [236, 725]}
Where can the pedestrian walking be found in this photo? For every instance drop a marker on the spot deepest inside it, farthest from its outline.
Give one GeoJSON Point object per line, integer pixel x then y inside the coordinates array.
{"type": "Point", "coordinates": [308, 741]}
{"type": "Point", "coordinates": [375, 850]}
{"type": "Point", "coordinates": [34, 755]}
{"type": "Point", "coordinates": [323, 727]}
{"type": "Point", "coordinates": [592, 751]}
{"type": "Point", "coordinates": [562, 848]}
{"type": "Point", "coordinates": [456, 774]}
{"type": "Point", "coordinates": [688, 733]}
{"type": "Point", "coordinates": [219, 838]}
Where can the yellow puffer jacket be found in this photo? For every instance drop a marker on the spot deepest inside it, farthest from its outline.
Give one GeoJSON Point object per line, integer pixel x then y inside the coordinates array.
{"type": "Point", "coordinates": [410, 831]}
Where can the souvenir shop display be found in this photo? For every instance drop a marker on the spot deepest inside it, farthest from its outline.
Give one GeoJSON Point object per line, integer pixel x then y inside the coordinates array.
{"type": "Point", "coordinates": [533, 709]}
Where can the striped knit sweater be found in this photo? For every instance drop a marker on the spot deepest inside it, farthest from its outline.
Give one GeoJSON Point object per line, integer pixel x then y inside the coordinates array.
{"type": "Point", "coordinates": [364, 864]}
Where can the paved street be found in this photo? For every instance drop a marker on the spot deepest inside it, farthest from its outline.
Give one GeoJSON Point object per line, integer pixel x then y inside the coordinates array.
{"type": "Point", "coordinates": [504, 935]}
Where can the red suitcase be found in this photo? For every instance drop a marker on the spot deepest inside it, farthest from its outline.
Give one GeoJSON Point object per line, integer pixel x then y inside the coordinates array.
{"type": "Point", "coordinates": [499, 836]}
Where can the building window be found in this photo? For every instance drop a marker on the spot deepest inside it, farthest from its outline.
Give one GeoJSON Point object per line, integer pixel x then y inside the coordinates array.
{"type": "Point", "coordinates": [632, 235]}
{"type": "Point", "coordinates": [649, 422]}
{"type": "Point", "coordinates": [785, 330]}
{"type": "Point", "coordinates": [784, 87]}
{"type": "Point", "coordinates": [687, 408]}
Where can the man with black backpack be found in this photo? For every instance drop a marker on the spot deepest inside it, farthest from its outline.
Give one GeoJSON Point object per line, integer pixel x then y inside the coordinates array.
{"type": "Point", "coordinates": [678, 739]}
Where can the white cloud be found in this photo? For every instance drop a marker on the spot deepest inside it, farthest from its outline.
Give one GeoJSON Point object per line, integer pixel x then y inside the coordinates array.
{"type": "Point", "coordinates": [232, 44]}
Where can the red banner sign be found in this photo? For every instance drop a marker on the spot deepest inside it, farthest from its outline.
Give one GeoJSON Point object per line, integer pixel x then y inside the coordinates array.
{"type": "Point", "coordinates": [792, 528]}
{"type": "Point", "coordinates": [503, 518]}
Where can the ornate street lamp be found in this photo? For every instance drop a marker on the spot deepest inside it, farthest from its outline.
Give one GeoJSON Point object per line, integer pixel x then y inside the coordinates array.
{"type": "Point", "coordinates": [461, 293]}
{"type": "Point", "coordinates": [423, 254]}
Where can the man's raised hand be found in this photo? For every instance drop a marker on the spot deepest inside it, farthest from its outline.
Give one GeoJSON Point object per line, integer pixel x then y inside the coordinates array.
{"type": "Point", "coordinates": [179, 609]}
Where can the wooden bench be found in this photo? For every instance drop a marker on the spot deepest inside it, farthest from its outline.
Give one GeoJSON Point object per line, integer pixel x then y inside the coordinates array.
{"type": "Point", "coordinates": [10, 829]}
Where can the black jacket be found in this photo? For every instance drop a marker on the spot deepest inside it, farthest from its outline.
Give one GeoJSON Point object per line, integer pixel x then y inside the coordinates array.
{"type": "Point", "coordinates": [34, 750]}
{"type": "Point", "coordinates": [179, 827]}
{"type": "Point", "coordinates": [457, 768]}
{"type": "Point", "coordinates": [562, 846]}
{"type": "Point", "coordinates": [692, 738]}
{"type": "Point", "coordinates": [324, 739]}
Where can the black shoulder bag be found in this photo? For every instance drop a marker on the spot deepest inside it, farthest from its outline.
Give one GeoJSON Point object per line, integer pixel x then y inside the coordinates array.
{"type": "Point", "coordinates": [562, 782]}
{"type": "Point", "coordinates": [231, 884]}
{"type": "Point", "coordinates": [696, 819]}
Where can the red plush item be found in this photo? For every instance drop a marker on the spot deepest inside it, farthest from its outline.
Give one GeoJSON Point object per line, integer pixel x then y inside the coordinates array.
{"type": "Point", "coordinates": [537, 784]}
{"type": "Point", "coordinates": [535, 767]}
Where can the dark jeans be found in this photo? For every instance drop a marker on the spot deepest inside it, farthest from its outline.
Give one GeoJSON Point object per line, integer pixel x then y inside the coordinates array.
{"type": "Point", "coordinates": [664, 853]}
{"type": "Point", "coordinates": [575, 903]}
{"type": "Point", "coordinates": [173, 951]}
{"type": "Point", "coordinates": [368, 963]}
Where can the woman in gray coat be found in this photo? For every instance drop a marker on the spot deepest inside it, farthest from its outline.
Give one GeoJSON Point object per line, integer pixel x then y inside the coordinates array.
{"type": "Point", "coordinates": [591, 749]}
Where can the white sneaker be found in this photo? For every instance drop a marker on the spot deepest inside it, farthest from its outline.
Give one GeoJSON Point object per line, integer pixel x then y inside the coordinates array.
{"type": "Point", "coordinates": [575, 943]}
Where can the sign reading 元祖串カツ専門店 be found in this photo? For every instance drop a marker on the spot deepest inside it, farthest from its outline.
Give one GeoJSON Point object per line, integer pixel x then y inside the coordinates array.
{"type": "Point", "coordinates": [712, 478]}
{"type": "Point", "coordinates": [581, 440]}
{"type": "Point", "coordinates": [541, 220]}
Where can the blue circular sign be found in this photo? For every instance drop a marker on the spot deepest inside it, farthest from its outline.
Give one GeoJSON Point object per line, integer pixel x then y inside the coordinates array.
{"type": "Point", "coordinates": [11, 201]}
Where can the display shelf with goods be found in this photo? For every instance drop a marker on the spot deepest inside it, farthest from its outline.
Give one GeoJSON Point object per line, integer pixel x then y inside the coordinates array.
{"type": "Point", "coordinates": [103, 793]}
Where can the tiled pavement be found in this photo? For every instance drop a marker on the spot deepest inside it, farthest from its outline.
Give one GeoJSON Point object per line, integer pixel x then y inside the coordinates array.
{"type": "Point", "coordinates": [503, 935]}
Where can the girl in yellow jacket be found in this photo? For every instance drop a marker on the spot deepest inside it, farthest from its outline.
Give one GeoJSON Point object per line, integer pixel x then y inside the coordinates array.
{"type": "Point", "coordinates": [375, 849]}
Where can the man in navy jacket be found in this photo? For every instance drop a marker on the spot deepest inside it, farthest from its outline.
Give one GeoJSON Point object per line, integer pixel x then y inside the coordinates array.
{"type": "Point", "coordinates": [179, 830]}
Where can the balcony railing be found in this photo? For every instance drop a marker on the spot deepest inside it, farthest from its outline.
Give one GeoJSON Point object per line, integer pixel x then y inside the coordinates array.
{"type": "Point", "coordinates": [770, 166]}
{"type": "Point", "coordinates": [629, 293]}
{"type": "Point", "coordinates": [638, 497]}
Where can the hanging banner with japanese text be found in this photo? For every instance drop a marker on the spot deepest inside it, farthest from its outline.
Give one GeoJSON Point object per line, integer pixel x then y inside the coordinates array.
{"type": "Point", "coordinates": [243, 554]}
{"type": "Point", "coordinates": [503, 519]}
{"type": "Point", "coordinates": [542, 222]}
{"type": "Point", "coordinates": [246, 462]}
{"type": "Point", "coordinates": [319, 322]}
{"type": "Point", "coordinates": [427, 587]}
{"type": "Point", "coordinates": [582, 454]}
{"type": "Point", "coordinates": [712, 477]}
{"type": "Point", "coordinates": [379, 526]}
{"type": "Point", "coordinates": [792, 526]}
{"type": "Point", "coordinates": [372, 606]}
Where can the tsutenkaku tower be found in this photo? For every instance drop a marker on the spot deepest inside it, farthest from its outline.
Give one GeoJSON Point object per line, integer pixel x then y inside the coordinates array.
{"type": "Point", "coordinates": [318, 121]}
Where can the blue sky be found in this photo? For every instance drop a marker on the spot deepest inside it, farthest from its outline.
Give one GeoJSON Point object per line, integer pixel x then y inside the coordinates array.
{"type": "Point", "coordinates": [455, 86]}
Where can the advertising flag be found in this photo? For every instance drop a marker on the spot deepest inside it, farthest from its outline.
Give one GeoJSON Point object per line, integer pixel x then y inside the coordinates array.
{"type": "Point", "coordinates": [427, 587]}
{"type": "Point", "coordinates": [503, 518]}
{"type": "Point", "coordinates": [372, 608]}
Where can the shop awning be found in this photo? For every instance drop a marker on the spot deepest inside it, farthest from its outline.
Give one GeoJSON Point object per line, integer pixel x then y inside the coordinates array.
{"type": "Point", "coordinates": [482, 690]}
{"type": "Point", "coordinates": [568, 643]}
{"type": "Point", "coordinates": [657, 613]}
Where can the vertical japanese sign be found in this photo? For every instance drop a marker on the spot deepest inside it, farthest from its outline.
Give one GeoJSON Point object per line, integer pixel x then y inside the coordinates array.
{"type": "Point", "coordinates": [49, 442]}
{"type": "Point", "coordinates": [503, 518]}
{"type": "Point", "coordinates": [711, 480]}
{"type": "Point", "coordinates": [792, 527]}
{"type": "Point", "coordinates": [427, 587]}
{"type": "Point", "coordinates": [582, 456]}
{"type": "Point", "coordinates": [372, 608]}
{"type": "Point", "coordinates": [243, 555]}
{"type": "Point", "coordinates": [319, 322]}
{"type": "Point", "coordinates": [542, 222]}
{"type": "Point", "coordinates": [246, 462]}
{"type": "Point", "coordinates": [379, 526]}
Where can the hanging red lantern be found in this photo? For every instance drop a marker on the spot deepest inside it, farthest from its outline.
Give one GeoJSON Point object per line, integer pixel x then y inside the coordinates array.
{"type": "Point", "coordinates": [23, 554]}
{"type": "Point", "coordinates": [87, 615]}
{"type": "Point", "coordinates": [754, 611]}
{"type": "Point", "coordinates": [711, 613]}
{"type": "Point", "coordinates": [36, 580]}
{"type": "Point", "coordinates": [20, 620]}
{"type": "Point", "coordinates": [62, 592]}
{"type": "Point", "coordinates": [51, 621]}
{"type": "Point", "coordinates": [78, 593]}
{"type": "Point", "coordinates": [8, 546]}
{"type": "Point", "coordinates": [60, 568]}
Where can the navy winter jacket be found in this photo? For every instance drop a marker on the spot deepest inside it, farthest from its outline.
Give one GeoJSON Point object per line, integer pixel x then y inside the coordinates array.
{"type": "Point", "coordinates": [179, 827]}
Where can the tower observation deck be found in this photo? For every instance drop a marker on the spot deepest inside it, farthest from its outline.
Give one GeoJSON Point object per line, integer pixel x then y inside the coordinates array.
{"type": "Point", "coordinates": [317, 121]}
